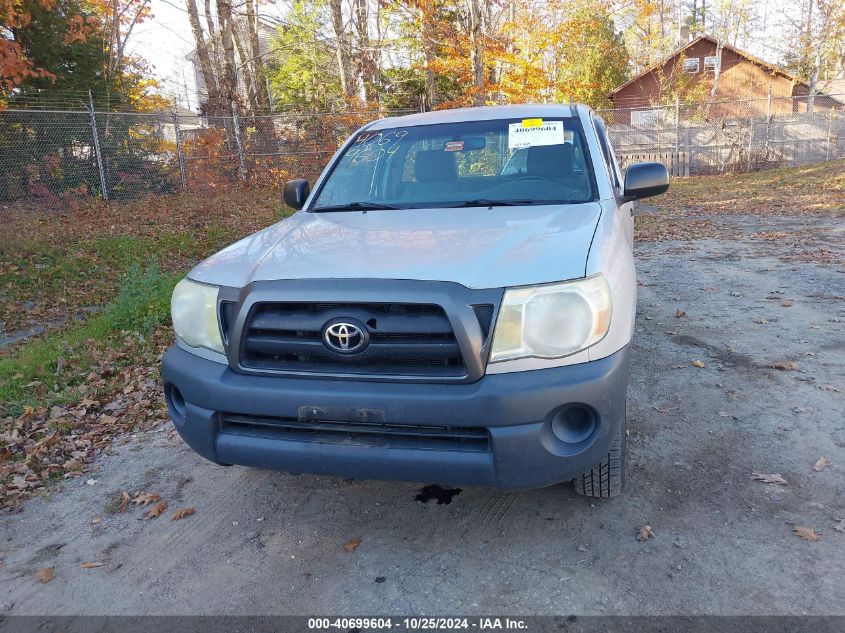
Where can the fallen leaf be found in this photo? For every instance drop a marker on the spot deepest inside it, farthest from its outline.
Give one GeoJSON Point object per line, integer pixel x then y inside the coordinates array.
{"type": "Point", "coordinates": [840, 525]}
{"type": "Point", "coordinates": [786, 303]}
{"type": "Point", "coordinates": [680, 313]}
{"type": "Point", "coordinates": [806, 533]}
{"type": "Point", "coordinates": [645, 533]}
{"type": "Point", "coordinates": [145, 498]}
{"type": "Point", "coordinates": [666, 410]}
{"type": "Point", "coordinates": [352, 544]}
{"type": "Point", "coordinates": [773, 478]}
{"type": "Point", "coordinates": [156, 510]}
{"type": "Point", "coordinates": [46, 575]}
{"type": "Point", "coordinates": [182, 513]}
{"type": "Point", "coordinates": [698, 363]}
{"type": "Point", "coordinates": [821, 463]}
{"type": "Point", "coordinates": [786, 366]}
{"type": "Point", "coordinates": [124, 501]}
{"type": "Point", "coordinates": [92, 565]}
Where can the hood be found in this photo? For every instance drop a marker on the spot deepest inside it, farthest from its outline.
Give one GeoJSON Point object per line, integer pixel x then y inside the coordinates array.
{"type": "Point", "coordinates": [475, 247]}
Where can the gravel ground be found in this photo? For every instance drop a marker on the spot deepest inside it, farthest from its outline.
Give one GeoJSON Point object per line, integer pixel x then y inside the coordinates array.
{"type": "Point", "coordinates": [271, 543]}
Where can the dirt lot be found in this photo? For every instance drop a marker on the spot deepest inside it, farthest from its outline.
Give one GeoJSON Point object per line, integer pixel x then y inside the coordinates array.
{"type": "Point", "coordinates": [758, 291]}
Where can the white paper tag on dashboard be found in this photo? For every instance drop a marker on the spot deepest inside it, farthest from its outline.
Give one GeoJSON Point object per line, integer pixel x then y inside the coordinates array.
{"type": "Point", "coordinates": [534, 132]}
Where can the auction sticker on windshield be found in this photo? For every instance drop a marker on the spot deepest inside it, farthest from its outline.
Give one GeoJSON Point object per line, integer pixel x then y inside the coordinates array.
{"type": "Point", "coordinates": [534, 132]}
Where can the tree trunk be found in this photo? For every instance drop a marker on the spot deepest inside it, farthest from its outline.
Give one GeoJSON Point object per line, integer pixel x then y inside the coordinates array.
{"type": "Point", "coordinates": [428, 53]}
{"type": "Point", "coordinates": [720, 44]}
{"type": "Point", "coordinates": [214, 41]}
{"type": "Point", "coordinates": [344, 63]}
{"type": "Point", "coordinates": [230, 80]}
{"type": "Point", "coordinates": [814, 82]}
{"type": "Point", "coordinates": [367, 72]}
{"type": "Point", "coordinates": [245, 70]}
{"type": "Point", "coordinates": [476, 53]}
{"type": "Point", "coordinates": [262, 95]}
{"type": "Point", "coordinates": [205, 63]}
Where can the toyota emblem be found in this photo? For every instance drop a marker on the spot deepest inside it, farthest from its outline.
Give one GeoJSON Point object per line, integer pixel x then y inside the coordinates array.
{"type": "Point", "coordinates": [345, 336]}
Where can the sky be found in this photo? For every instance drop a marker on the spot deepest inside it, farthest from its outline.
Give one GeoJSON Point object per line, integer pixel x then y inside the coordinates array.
{"type": "Point", "coordinates": [165, 39]}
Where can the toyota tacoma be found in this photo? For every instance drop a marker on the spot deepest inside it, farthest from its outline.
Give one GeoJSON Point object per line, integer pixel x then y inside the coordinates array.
{"type": "Point", "coordinates": [453, 302]}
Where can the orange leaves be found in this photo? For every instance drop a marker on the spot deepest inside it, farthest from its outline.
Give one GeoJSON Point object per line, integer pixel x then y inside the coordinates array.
{"type": "Point", "coordinates": [14, 65]}
{"type": "Point", "coordinates": [145, 498]}
{"type": "Point", "coordinates": [181, 513]}
{"type": "Point", "coordinates": [645, 533]}
{"type": "Point", "coordinates": [78, 30]}
{"type": "Point", "coordinates": [806, 533]}
{"type": "Point", "coordinates": [352, 544]}
{"type": "Point", "coordinates": [157, 510]}
{"type": "Point", "coordinates": [46, 574]}
{"type": "Point", "coordinates": [92, 565]}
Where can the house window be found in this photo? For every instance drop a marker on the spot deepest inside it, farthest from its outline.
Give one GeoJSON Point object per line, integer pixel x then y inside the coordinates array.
{"type": "Point", "coordinates": [691, 65]}
{"type": "Point", "coordinates": [710, 63]}
{"type": "Point", "coordinates": [645, 118]}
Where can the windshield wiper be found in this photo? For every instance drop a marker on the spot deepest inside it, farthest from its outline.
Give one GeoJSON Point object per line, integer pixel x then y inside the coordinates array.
{"type": "Point", "coordinates": [484, 202]}
{"type": "Point", "coordinates": [356, 206]}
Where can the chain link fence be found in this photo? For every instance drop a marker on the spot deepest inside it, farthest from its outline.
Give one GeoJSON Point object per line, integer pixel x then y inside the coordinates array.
{"type": "Point", "coordinates": [730, 136]}
{"type": "Point", "coordinates": [52, 159]}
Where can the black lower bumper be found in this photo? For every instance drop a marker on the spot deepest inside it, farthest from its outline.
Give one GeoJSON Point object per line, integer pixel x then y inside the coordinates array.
{"type": "Point", "coordinates": [517, 411]}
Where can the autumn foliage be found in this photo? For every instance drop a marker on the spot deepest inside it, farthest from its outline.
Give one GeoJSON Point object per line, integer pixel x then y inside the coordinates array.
{"type": "Point", "coordinates": [15, 67]}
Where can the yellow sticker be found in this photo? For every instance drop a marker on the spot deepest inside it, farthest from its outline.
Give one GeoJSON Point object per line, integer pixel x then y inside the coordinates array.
{"type": "Point", "coordinates": [532, 122]}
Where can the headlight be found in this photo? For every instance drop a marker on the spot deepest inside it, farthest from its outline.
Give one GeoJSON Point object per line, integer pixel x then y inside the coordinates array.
{"type": "Point", "coordinates": [194, 311]}
{"type": "Point", "coordinates": [552, 320]}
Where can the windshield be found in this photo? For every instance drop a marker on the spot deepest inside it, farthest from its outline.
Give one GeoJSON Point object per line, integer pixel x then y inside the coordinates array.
{"type": "Point", "coordinates": [474, 163]}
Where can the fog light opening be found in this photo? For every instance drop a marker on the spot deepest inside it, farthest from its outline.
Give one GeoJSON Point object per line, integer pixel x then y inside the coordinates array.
{"type": "Point", "coordinates": [176, 404]}
{"type": "Point", "coordinates": [573, 423]}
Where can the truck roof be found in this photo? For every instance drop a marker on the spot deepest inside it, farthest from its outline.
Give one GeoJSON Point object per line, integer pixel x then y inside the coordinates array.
{"type": "Point", "coordinates": [482, 113]}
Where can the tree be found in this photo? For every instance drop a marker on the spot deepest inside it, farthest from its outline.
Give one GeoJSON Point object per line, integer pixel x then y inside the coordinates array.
{"type": "Point", "coordinates": [15, 65]}
{"type": "Point", "coordinates": [65, 48]}
{"type": "Point", "coordinates": [820, 53]}
{"type": "Point", "coordinates": [304, 74]}
{"type": "Point", "coordinates": [344, 63]}
{"type": "Point", "coordinates": [592, 60]}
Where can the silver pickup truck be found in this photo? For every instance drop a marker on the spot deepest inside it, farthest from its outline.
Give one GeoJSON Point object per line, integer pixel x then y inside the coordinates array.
{"type": "Point", "coordinates": [453, 302]}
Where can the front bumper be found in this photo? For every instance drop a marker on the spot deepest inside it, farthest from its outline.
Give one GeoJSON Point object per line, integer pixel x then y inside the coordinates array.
{"type": "Point", "coordinates": [516, 410]}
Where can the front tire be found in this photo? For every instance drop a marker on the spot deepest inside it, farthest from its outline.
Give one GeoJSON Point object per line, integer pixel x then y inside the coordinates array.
{"type": "Point", "coordinates": [607, 478]}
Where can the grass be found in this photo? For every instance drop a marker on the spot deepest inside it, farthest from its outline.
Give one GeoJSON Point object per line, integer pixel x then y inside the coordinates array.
{"type": "Point", "coordinates": [690, 209]}
{"type": "Point", "coordinates": [812, 190]}
{"type": "Point", "coordinates": [122, 261]}
{"type": "Point", "coordinates": [142, 304]}
{"type": "Point", "coordinates": [58, 265]}
{"type": "Point", "coordinates": [98, 279]}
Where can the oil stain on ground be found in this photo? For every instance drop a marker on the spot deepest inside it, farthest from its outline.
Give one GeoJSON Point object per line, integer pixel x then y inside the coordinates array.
{"type": "Point", "coordinates": [443, 496]}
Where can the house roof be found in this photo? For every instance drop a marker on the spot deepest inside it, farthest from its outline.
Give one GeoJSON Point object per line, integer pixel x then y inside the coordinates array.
{"type": "Point", "coordinates": [773, 68]}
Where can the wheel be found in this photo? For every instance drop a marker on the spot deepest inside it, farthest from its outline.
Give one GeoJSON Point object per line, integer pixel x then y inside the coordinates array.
{"type": "Point", "coordinates": [607, 478]}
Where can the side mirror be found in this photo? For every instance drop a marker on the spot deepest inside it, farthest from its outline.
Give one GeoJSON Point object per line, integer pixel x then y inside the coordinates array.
{"type": "Point", "coordinates": [643, 180]}
{"type": "Point", "coordinates": [296, 193]}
